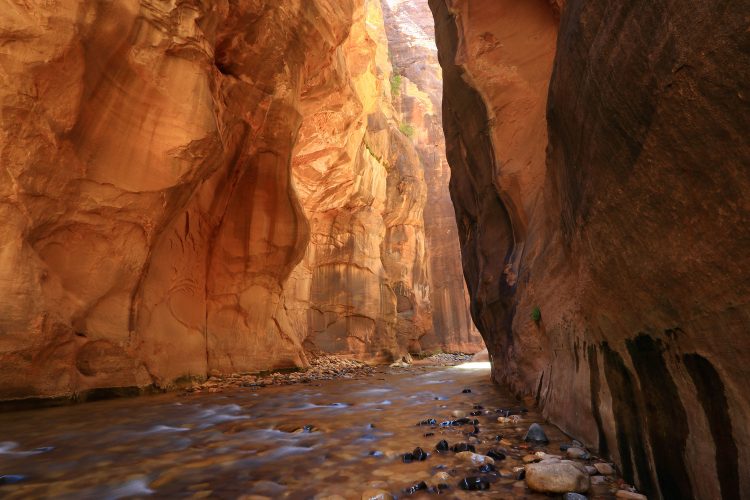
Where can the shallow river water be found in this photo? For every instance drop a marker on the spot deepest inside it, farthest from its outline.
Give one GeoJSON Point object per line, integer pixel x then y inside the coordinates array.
{"type": "Point", "coordinates": [329, 439]}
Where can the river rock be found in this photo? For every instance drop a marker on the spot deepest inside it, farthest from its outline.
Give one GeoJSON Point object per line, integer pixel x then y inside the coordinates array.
{"type": "Point", "coordinates": [557, 477]}
{"type": "Point", "coordinates": [458, 413]}
{"type": "Point", "coordinates": [574, 496]}
{"type": "Point", "coordinates": [474, 458]}
{"type": "Point", "coordinates": [474, 484]}
{"type": "Point", "coordinates": [442, 446]}
{"type": "Point", "coordinates": [604, 469]}
{"type": "Point", "coordinates": [536, 435]}
{"type": "Point", "coordinates": [496, 454]}
{"type": "Point", "coordinates": [459, 447]}
{"type": "Point", "coordinates": [578, 453]}
{"type": "Point", "coordinates": [420, 486]}
{"type": "Point", "coordinates": [441, 477]}
{"type": "Point", "coordinates": [376, 495]}
{"type": "Point", "coordinates": [630, 495]}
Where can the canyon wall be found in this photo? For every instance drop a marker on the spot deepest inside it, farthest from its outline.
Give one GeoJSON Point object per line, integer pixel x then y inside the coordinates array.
{"type": "Point", "coordinates": [418, 87]}
{"type": "Point", "coordinates": [199, 187]}
{"type": "Point", "coordinates": [599, 161]}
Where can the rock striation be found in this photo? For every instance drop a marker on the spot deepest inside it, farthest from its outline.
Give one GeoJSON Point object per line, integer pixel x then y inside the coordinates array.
{"type": "Point", "coordinates": [202, 187]}
{"type": "Point", "coordinates": [598, 164]}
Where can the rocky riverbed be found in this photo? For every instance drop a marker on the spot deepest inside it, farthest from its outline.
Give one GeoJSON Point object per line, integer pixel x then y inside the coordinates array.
{"type": "Point", "coordinates": [373, 432]}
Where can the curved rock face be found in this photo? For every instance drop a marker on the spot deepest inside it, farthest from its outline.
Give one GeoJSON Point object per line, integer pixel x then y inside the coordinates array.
{"type": "Point", "coordinates": [202, 186]}
{"type": "Point", "coordinates": [603, 226]}
{"type": "Point", "coordinates": [419, 89]}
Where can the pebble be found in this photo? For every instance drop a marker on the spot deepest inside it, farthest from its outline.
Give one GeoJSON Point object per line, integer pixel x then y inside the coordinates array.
{"type": "Point", "coordinates": [458, 413]}
{"type": "Point", "coordinates": [466, 391]}
{"type": "Point", "coordinates": [376, 495]}
{"type": "Point", "coordinates": [574, 496]}
{"type": "Point", "coordinates": [598, 479]}
{"type": "Point", "coordinates": [487, 468]}
{"type": "Point", "coordinates": [591, 470]}
{"type": "Point", "coordinates": [578, 453]}
{"type": "Point", "coordinates": [474, 458]}
{"type": "Point", "coordinates": [474, 484]}
{"type": "Point", "coordinates": [530, 459]}
{"type": "Point", "coordinates": [429, 421]}
{"type": "Point", "coordinates": [557, 477]}
{"type": "Point", "coordinates": [604, 469]}
{"type": "Point", "coordinates": [441, 477]}
{"type": "Point", "coordinates": [497, 455]}
{"type": "Point", "coordinates": [459, 447]}
{"type": "Point", "coordinates": [536, 434]}
{"type": "Point", "coordinates": [420, 486]}
{"type": "Point", "coordinates": [630, 495]}
{"type": "Point", "coordinates": [442, 446]}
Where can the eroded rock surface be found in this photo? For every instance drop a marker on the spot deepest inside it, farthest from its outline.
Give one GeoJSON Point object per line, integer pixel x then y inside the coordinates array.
{"type": "Point", "coordinates": [418, 84]}
{"type": "Point", "coordinates": [603, 226]}
{"type": "Point", "coordinates": [202, 187]}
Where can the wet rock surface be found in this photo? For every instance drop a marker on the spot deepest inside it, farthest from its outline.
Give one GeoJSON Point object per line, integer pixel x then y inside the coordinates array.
{"type": "Point", "coordinates": [342, 438]}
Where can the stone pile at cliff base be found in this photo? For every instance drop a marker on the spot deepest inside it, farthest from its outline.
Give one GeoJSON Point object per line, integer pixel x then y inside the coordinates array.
{"type": "Point", "coordinates": [321, 368]}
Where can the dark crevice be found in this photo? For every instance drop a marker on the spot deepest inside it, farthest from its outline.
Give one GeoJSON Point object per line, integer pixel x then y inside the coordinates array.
{"type": "Point", "coordinates": [628, 417]}
{"type": "Point", "coordinates": [713, 399]}
{"type": "Point", "coordinates": [666, 417]}
{"type": "Point", "coordinates": [595, 402]}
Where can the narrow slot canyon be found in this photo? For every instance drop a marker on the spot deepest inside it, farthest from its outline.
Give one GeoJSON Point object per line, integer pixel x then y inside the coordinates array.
{"type": "Point", "coordinates": [374, 249]}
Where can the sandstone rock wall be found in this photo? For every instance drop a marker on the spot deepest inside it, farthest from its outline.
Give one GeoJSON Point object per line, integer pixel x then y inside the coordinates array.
{"type": "Point", "coordinates": [613, 205]}
{"type": "Point", "coordinates": [419, 89]}
{"type": "Point", "coordinates": [197, 186]}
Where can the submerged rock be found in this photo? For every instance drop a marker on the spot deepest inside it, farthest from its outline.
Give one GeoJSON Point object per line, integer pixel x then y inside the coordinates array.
{"type": "Point", "coordinates": [459, 447]}
{"type": "Point", "coordinates": [442, 446]}
{"type": "Point", "coordinates": [421, 486]}
{"type": "Point", "coordinates": [496, 454]}
{"type": "Point", "coordinates": [376, 495]}
{"type": "Point", "coordinates": [474, 484]}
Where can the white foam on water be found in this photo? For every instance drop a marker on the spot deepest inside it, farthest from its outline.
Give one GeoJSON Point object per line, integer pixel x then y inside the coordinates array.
{"type": "Point", "coordinates": [132, 488]}
{"type": "Point", "coordinates": [157, 429]}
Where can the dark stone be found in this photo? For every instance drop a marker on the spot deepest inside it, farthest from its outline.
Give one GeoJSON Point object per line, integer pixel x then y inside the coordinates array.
{"type": "Point", "coordinates": [308, 428]}
{"type": "Point", "coordinates": [440, 489]}
{"type": "Point", "coordinates": [429, 421]}
{"type": "Point", "coordinates": [495, 455]}
{"type": "Point", "coordinates": [11, 478]}
{"type": "Point", "coordinates": [536, 435]}
{"type": "Point", "coordinates": [474, 484]}
{"type": "Point", "coordinates": [712, 396]}
{"type": "Point", "coordinates": [442, 446]}
{"type": "Point", "coordinates": [476, 413]}
{"type": "Point", "coordinates": [429, 434]}
{"type": "Point", "coordinates": [421, 486]}
{"type": "Point", "coordinates": [564, 447]}
{"type": "Point", "coordinates": [419, 454]}
{"type": "Point", "coordinates": [478, 407]}
{"type": "Point", "coordinates": [407, 458]}
{"type": "Point", "coordinates": [459, 447]}
{"type": "Point", "coordinates": [487, 468]}
{"type": "Point", "coordinates": [466, 391]}
{"type": "Point", "coordinates": [498, 437]}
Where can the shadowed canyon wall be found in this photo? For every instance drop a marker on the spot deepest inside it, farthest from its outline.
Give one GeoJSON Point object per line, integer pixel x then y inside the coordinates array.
{"type": "Point", "coordinates": [599, 161]}
{"type": "Point", "coordinates": [196, 187]}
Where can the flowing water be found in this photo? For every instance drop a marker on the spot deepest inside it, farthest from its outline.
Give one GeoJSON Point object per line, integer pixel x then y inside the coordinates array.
{"type": "Point", "coordinates": [332, 439]}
